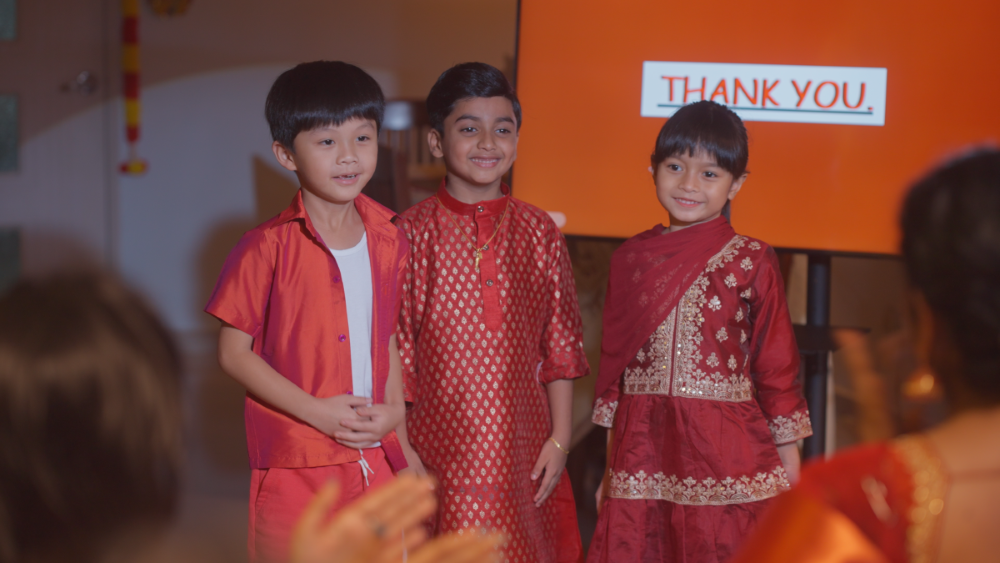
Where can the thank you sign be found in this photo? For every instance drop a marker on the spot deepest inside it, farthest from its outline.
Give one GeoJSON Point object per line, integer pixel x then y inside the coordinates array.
{"type": "Point", "coordinates": [758, 92]}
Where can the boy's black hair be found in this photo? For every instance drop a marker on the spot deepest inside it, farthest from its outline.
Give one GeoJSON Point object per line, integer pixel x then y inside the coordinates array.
{"type": "Point", "coordinates": [464, 81]}
{"type": "Point", "coordinates": [708, 126]}
{"type": "Point", "coordinates": [951, 248]}
{"type": "Point", "coordinates": [321, 93]}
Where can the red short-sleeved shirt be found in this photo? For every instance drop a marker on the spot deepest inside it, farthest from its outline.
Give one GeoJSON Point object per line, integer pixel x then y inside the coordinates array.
{"type": "Point", "coordinates": [282, 286]}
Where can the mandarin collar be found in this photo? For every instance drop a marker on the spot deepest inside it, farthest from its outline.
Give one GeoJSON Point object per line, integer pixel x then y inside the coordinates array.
{"type": "Point", "coordinates": [489, 207]}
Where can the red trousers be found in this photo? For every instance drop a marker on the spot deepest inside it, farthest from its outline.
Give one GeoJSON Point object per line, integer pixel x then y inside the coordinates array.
{"type": "Point", "coordinates": [279, 495]}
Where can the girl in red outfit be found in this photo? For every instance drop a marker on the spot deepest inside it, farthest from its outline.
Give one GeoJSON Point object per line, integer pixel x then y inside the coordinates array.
{"type": "Point", "coordinates": [699, 364]}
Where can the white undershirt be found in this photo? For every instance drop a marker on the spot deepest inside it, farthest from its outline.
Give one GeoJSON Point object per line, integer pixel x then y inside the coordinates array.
{"type": "Point", "coordinates": [356, 275]}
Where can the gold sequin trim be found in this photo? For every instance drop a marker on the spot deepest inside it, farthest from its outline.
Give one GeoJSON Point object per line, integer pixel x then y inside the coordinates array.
{"type": "Point", "coordinates": [789, 429]}
{"type": "Point", "coordinates": [690, 491]}
{"type": "Point", "coordinates": [674, 364]}
{"type": "Point", "coordinates": [690, 381]}
{"type": "Point", "coordinates": [930, 486]}
{"type": "Point", "coordinates": [604, 413]}
{"type": "Point", "coordinates": [654, 379]}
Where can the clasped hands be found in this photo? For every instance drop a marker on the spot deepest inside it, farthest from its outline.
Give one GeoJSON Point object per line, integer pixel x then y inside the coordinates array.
{"type": "Point", "coordinates": [354, 421]}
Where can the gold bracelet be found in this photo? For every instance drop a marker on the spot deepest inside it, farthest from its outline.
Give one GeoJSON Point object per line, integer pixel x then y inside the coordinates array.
{"type": "Point", "coordinates": [562, 449]}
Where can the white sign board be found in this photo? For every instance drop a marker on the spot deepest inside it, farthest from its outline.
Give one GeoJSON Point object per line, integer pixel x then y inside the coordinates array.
{"type": "Point", "coordinates": [788, 93]}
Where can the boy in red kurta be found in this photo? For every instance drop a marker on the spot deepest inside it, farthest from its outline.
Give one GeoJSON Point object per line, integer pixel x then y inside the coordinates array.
{"type": "Point", "coordinates": [490, 332]}
{"type": "Point", "coordinates": [309, 303]}
{"type": "Point", "coordinates": [699, 364]}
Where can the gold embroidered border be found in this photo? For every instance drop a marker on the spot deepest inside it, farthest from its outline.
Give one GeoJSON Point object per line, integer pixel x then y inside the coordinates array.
{"type": "Point", "coordinates": [604, 413]}
{"type": "Point", "coordinates": [690, 381]}
{"type": "Point", "coordinates": [789, 429]}
{"type": "Point", "coordinates": [707, 492]}
{"type": "Point", "coordinates": [655, 379]}
{"type": "Point", "coordinates": [930, 486]}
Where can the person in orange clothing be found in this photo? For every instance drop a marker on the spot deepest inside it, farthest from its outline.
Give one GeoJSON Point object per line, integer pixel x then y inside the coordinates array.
{"type": "Point", "coordinates": [308, 302]}
{"type": "Point", "coordinates": [933, 496]}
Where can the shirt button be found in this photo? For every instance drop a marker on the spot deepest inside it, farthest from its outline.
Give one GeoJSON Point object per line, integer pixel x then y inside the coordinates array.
{"type": "Point", "coordinates": [342, 338]}
{"type": "Point", "coordinates": [336, 279]}
{"type": "Point", "coordinates": [480, 209]}
{"type": "Point", "coordinates": [489, 283]}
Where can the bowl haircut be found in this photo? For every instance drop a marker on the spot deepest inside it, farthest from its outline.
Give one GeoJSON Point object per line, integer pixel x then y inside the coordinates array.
{"type": "Point", "coordinates": [319, 94]}
{"type": "Point", "coordinates": [465, 81]}
{"type": "Point", "coordinates": [90, 419]}
{"type": "Point", "coordinates": [707, 126]}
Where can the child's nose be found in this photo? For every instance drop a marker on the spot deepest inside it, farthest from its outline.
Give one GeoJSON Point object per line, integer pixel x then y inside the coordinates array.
{"type": "Point", "coordinates": [486, 141]}
{"type": "Point", "coordinates": [348, 155]}
{"type": "Point", "coordinates": [689, 182]}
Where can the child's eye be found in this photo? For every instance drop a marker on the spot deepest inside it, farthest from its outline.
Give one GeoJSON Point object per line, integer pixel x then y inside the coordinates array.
{"type": "Point", "coordinates": [326, 142]}
{"type": "Point", "coordinates": [468, 130]}
{"type": "Point", "coordinates": [364, 138]}
{"type": "Point", "coordinates": [503, 131]}
{"type": "Point", "coordinates": [711, 174]}
{"type": "Point", "coordinates": [673, 167]}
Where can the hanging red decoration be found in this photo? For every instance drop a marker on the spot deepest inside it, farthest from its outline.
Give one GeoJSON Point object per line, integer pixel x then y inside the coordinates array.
{"type": "Point", "coordinates": [130, 68]}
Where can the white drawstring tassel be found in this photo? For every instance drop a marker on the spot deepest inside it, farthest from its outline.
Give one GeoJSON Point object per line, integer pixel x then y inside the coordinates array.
{"type": "Point", "coordinates": [365, 468]}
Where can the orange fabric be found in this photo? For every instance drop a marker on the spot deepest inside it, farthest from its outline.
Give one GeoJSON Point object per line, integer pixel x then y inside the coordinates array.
{"type": "Point", "coordinates": [807, 531]}
{"type": "Point", "coordinates": [282, 286]}
{"type": "Point", "coordinates": [869, 487]}
{"type": "Point", "coordinates": [278, 496]}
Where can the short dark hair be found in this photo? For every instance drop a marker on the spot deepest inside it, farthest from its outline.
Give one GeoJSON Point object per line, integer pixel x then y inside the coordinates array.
{"type": "Point", "coordinates": [321, 93]}
{"type": "Point", "coordinates": [90, 418]}
{"type": "Point", "coordinates": [464, 81]}
{"type": "Point", "coordinates": [708, 126]}
{"type": "Point", "coordinates": [951, 248]}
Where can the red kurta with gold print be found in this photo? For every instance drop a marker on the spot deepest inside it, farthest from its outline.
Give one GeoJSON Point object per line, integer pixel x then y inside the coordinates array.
{"type": "Point", "coordinates": [698, 412]}
{"type": "Point", "coordinates": [478, 347]}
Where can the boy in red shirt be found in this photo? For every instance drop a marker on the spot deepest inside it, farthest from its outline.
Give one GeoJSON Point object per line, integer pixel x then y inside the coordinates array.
{"type": "Point", "coordinates": [490, 333]}
{"type": "Point", "coordinates": [308, 302]}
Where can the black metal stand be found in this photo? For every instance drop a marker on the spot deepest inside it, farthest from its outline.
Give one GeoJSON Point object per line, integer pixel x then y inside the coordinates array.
{"type": "Point", "coordinates": [816, 361]}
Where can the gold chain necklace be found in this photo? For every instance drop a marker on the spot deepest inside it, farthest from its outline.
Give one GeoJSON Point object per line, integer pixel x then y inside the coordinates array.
{"type": "Point", "coordinates": [478, 251]}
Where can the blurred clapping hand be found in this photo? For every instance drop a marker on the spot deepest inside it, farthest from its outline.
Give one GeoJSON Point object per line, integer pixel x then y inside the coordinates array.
{"type": "Point", "coordinates": [381, 526]}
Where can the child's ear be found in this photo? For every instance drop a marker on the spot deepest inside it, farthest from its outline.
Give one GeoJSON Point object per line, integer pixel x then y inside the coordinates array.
{"type": "Point", "coordinates": [734, 188]}
{"type": "Point", "coordinates": [286, 158]}
{"type": "Point", "coordinates": [651, 171]}
{"type": "Point", "coordinates": [434, 143]}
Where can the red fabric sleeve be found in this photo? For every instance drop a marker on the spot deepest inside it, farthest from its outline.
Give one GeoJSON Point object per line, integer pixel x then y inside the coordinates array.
{"type": "Point", "coordinates": [409, 317]}
{"type": "Point", "coordinates": [774, 364]}
{"type": "Point", "coordinates": [244, 286]}
{"type": "Point", "coordinates": [402, 263]}
{"type": "Point", "coordinates": [561, 345]}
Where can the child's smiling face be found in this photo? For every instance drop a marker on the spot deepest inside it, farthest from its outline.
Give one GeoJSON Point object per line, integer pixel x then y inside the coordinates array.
{"type": "Point", "coordinates": [479, 143]}
{"type": "Point", "coordinates": [693, 188]}
{"type": "Point", "coordinates": [333, 162]}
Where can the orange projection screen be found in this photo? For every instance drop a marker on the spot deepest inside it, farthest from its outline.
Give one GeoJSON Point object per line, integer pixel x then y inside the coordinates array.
{"type": "Point", "coordinates": [584, 147]}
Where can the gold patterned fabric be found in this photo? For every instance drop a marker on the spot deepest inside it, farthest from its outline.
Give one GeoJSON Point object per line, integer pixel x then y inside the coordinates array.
{"type": "Point", "coordinates": [478, 348]}
{"type": "Point", "coordinates": [691, 491]}
{"type": "Point", "coordinates": [930, 488]}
